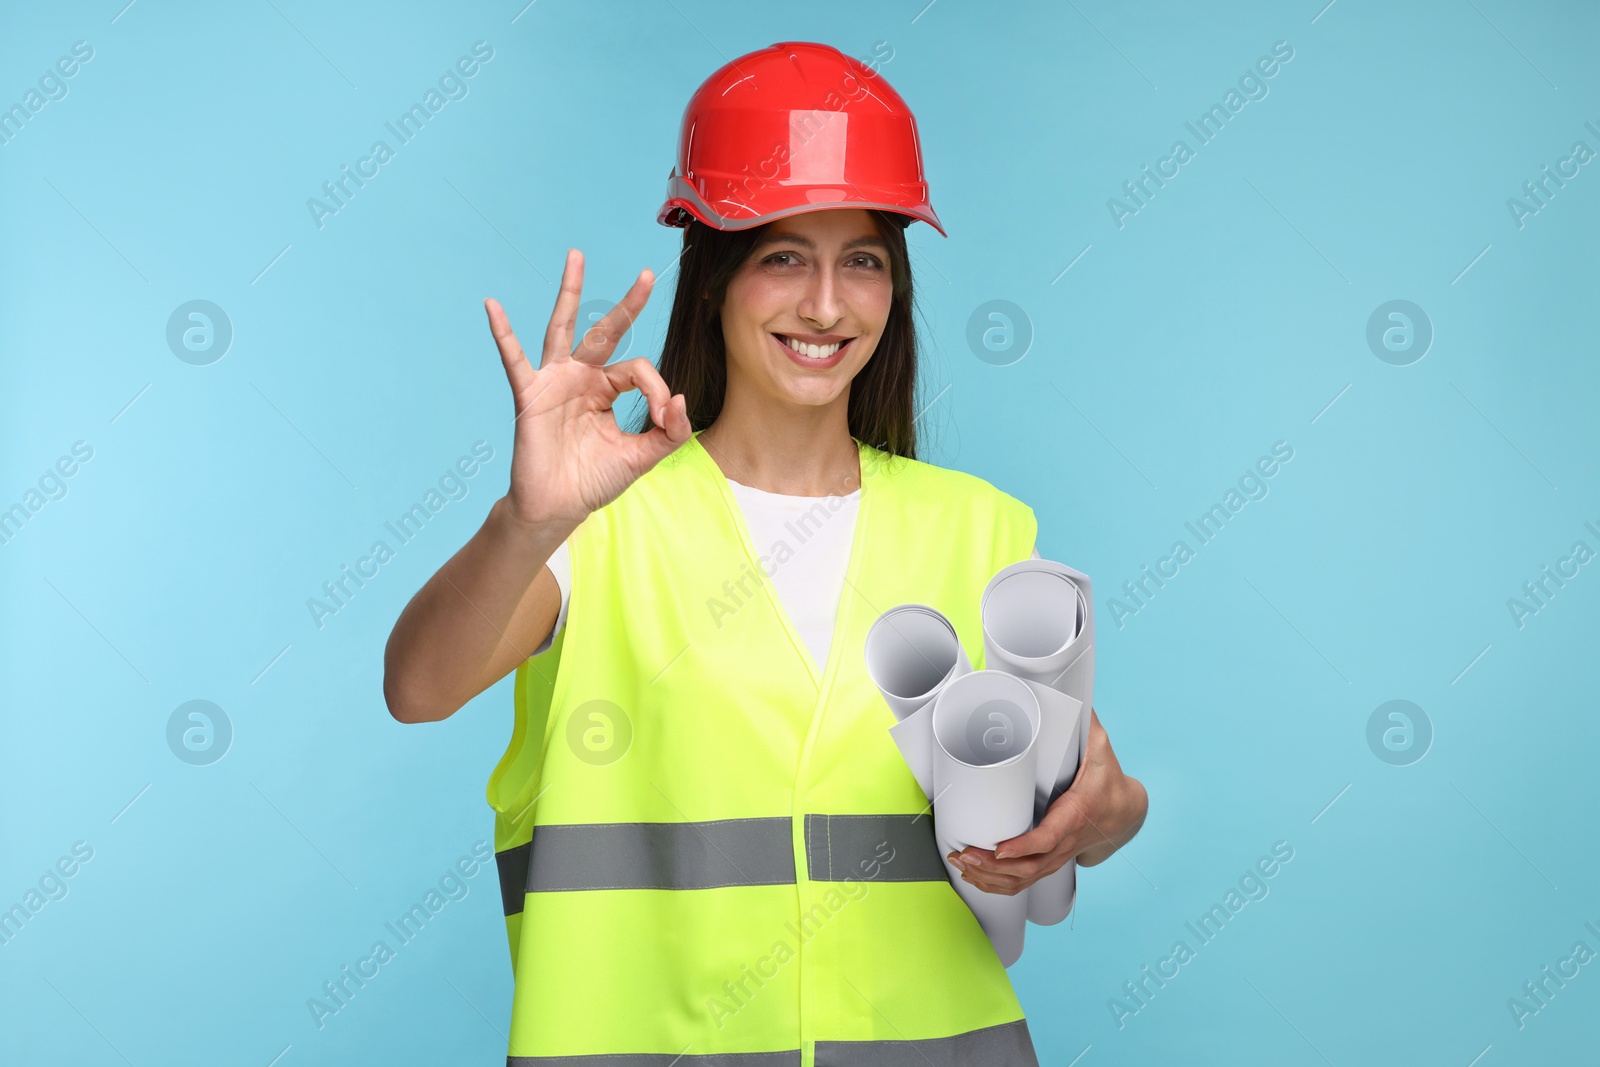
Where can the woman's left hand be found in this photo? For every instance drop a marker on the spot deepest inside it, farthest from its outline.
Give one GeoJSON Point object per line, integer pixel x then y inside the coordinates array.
{"type": "Point", "coordinates": [1098, 814]}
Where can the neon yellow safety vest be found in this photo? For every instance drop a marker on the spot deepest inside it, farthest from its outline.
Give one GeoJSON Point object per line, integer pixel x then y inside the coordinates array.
{"type": "Point", "coordinates": [709, 855]}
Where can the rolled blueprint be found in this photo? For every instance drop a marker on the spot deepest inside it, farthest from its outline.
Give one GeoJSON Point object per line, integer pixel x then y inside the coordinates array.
{"type": "Point", "coordinates": [1038, 625]}
{"type": "Point", "coordinates": [912, 651]}
{"type": "Point", "coordinates": [985, 757]}
{"type": "Point", "coordinates": [912, 654]}
{"type": "Point", "coordinates": [1060, 729]}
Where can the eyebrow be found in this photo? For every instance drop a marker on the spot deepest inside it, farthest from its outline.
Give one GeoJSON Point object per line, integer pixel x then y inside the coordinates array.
{"type": "Point", "coordinates": [809, 245]}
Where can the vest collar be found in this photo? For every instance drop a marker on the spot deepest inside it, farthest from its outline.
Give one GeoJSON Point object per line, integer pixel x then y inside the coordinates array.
{"type": "Point", "coordinates": [844, 617]}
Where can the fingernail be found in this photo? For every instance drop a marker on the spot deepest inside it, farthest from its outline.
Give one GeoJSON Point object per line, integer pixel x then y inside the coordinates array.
{"type": "Point", "coordinates": [955, 861]}
{"type": "Point", "coordinates": [1002, 855]}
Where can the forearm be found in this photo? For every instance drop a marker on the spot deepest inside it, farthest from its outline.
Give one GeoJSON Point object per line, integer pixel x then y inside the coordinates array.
{"type": "Point", "coordinates": [459, 629]}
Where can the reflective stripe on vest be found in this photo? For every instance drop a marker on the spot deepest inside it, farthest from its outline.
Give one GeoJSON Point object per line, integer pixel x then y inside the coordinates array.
{"type": "Point", "coordinates": [1005, 1043]}
{"type": "Point", "coordinates": [710, 846]}
{"type": "Point", "coordinates": [721, 852]}
{"type": "Point", "coordinates": [790, 1058]}
{"type": "Point", "coordinates": [844, 846]}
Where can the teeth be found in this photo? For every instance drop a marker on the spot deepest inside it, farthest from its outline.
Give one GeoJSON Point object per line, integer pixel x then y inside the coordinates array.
{"type": "Point", "coordinates": [812, 351]}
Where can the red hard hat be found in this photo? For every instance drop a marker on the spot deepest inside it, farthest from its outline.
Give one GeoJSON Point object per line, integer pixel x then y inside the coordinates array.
{"type": "Point", "coordinates": [795, 127]}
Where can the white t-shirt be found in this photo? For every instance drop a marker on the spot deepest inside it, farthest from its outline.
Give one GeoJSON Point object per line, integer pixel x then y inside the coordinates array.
{"type": "Point", "coordinates": [818, 532]}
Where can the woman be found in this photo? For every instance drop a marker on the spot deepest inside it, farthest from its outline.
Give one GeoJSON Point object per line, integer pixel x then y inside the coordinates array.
{"type": "Point", "coordinates": [711, 851]}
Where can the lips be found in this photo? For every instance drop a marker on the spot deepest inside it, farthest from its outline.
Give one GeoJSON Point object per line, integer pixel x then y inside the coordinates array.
{"type": "Point", "coordinates": [810, 353]}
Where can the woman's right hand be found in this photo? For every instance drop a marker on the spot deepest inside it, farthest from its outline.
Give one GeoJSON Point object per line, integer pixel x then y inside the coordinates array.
{"type": "Point", "coordinates": [569, 457]}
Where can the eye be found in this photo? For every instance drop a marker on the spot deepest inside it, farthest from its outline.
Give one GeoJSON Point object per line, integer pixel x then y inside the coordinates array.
{"type": "Point", "coordinates": [866, 260]}
{"type": "Point", "coordinates": [788, 259]}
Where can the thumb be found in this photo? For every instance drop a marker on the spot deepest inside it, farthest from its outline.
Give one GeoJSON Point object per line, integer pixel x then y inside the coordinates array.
{"type": "Point", "coordinates": [672, 429]}
{"type": "Point", "coordinates": [1062, 818]}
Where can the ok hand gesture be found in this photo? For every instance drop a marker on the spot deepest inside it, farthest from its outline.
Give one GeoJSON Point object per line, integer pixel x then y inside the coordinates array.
{"type": "Point", "coordinates": [569, 456]}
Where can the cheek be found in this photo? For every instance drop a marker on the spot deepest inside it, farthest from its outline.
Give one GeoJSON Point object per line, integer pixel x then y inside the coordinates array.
{"type": "Point", "coordinates": [869, 307]}
{"type": "Point", "coordinates": [738, 310]}
{"type": "Point", "coordinates": [754, 300]}
{"type": "Point", "coordinates": [871, 299]}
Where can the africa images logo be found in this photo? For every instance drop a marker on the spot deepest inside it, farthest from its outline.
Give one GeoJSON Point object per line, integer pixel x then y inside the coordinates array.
{"type": "Point", "coordinates": [1206, 128]}
{"type": "Point", "coordinates": [452, 85]}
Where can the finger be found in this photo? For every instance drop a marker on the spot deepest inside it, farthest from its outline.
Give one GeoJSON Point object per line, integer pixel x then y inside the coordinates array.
{"type": "Point", "coordinates": [981, 864]}
{"type": "Point", "coordinates": [1006, 873]}
{"type": "Point", "coordinates": [673, 418]}
{"type": "Point", "coordinates": [1014, 875]}
{"type": "Point", "coordinates": [639, 373]}
{"type": "Point", "coordinates": [991, 884]}
{"type": "Point", "coordinates": [672, 430]}
{"type": "Point", "coordinates": [518, 371]}
{"type": "Point", "coordinates": [1062, 821]}
{"type": "Point", "coordinates": [600, 340]}
{"type": "Point", "coordinates": [674, 422]}
{"type": "Point", "coordinates": [1098, 749]}
{"type": "Point", "coordinates": [975, 864]}
{"type": "Point", "coordinates": [558, 335]}
{"type": "Point", "coordinates": [669, 412]}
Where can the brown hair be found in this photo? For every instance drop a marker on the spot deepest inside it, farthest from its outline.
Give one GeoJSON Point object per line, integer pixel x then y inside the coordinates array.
{"type": "Point", "coordinates": [694, 360]}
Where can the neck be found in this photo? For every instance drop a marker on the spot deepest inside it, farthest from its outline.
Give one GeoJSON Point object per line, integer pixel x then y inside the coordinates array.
{"type": "Point", "coordinates": [799, 452]}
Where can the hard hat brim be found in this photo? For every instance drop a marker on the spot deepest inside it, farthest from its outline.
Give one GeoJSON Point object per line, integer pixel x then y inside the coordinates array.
{"type": "Point", "coordinates": [683, 198]}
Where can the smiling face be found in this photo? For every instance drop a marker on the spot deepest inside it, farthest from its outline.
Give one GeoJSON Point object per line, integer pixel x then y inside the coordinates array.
{"type": "Point", "coordinates": [804, 312]}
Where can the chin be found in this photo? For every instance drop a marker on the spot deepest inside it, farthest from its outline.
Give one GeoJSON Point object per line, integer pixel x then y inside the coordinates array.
{"type": "Point", "coordinates": [811, 394]}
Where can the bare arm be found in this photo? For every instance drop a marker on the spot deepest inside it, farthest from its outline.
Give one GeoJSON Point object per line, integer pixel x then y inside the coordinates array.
{"type": "Point", "coordinates": [494, 601]}
{"type": "Point", "coordinates": [480, 615]}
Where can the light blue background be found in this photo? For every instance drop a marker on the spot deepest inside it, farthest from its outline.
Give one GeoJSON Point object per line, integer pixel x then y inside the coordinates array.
{"type": "Point", "coordinates": [1229, 313]}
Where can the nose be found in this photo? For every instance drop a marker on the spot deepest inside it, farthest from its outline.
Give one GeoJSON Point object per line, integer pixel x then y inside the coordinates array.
{"type": "Point", "coordinates": [820, 305]}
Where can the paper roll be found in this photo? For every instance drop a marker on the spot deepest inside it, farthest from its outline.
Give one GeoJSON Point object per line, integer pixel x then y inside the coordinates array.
{"type": "Point", "coordinates": [1038, 624]}
{"type": "Point", "coordinates": [985, 727]}
{"type": "Point", "coordinates": [912, 653]}
{"type": "Point", "coordinates": [1036, 691]}
{"type": "Point", "coordinates": [1060, 717]}
{"type": "Point", "coordinates": [1064, 724]}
